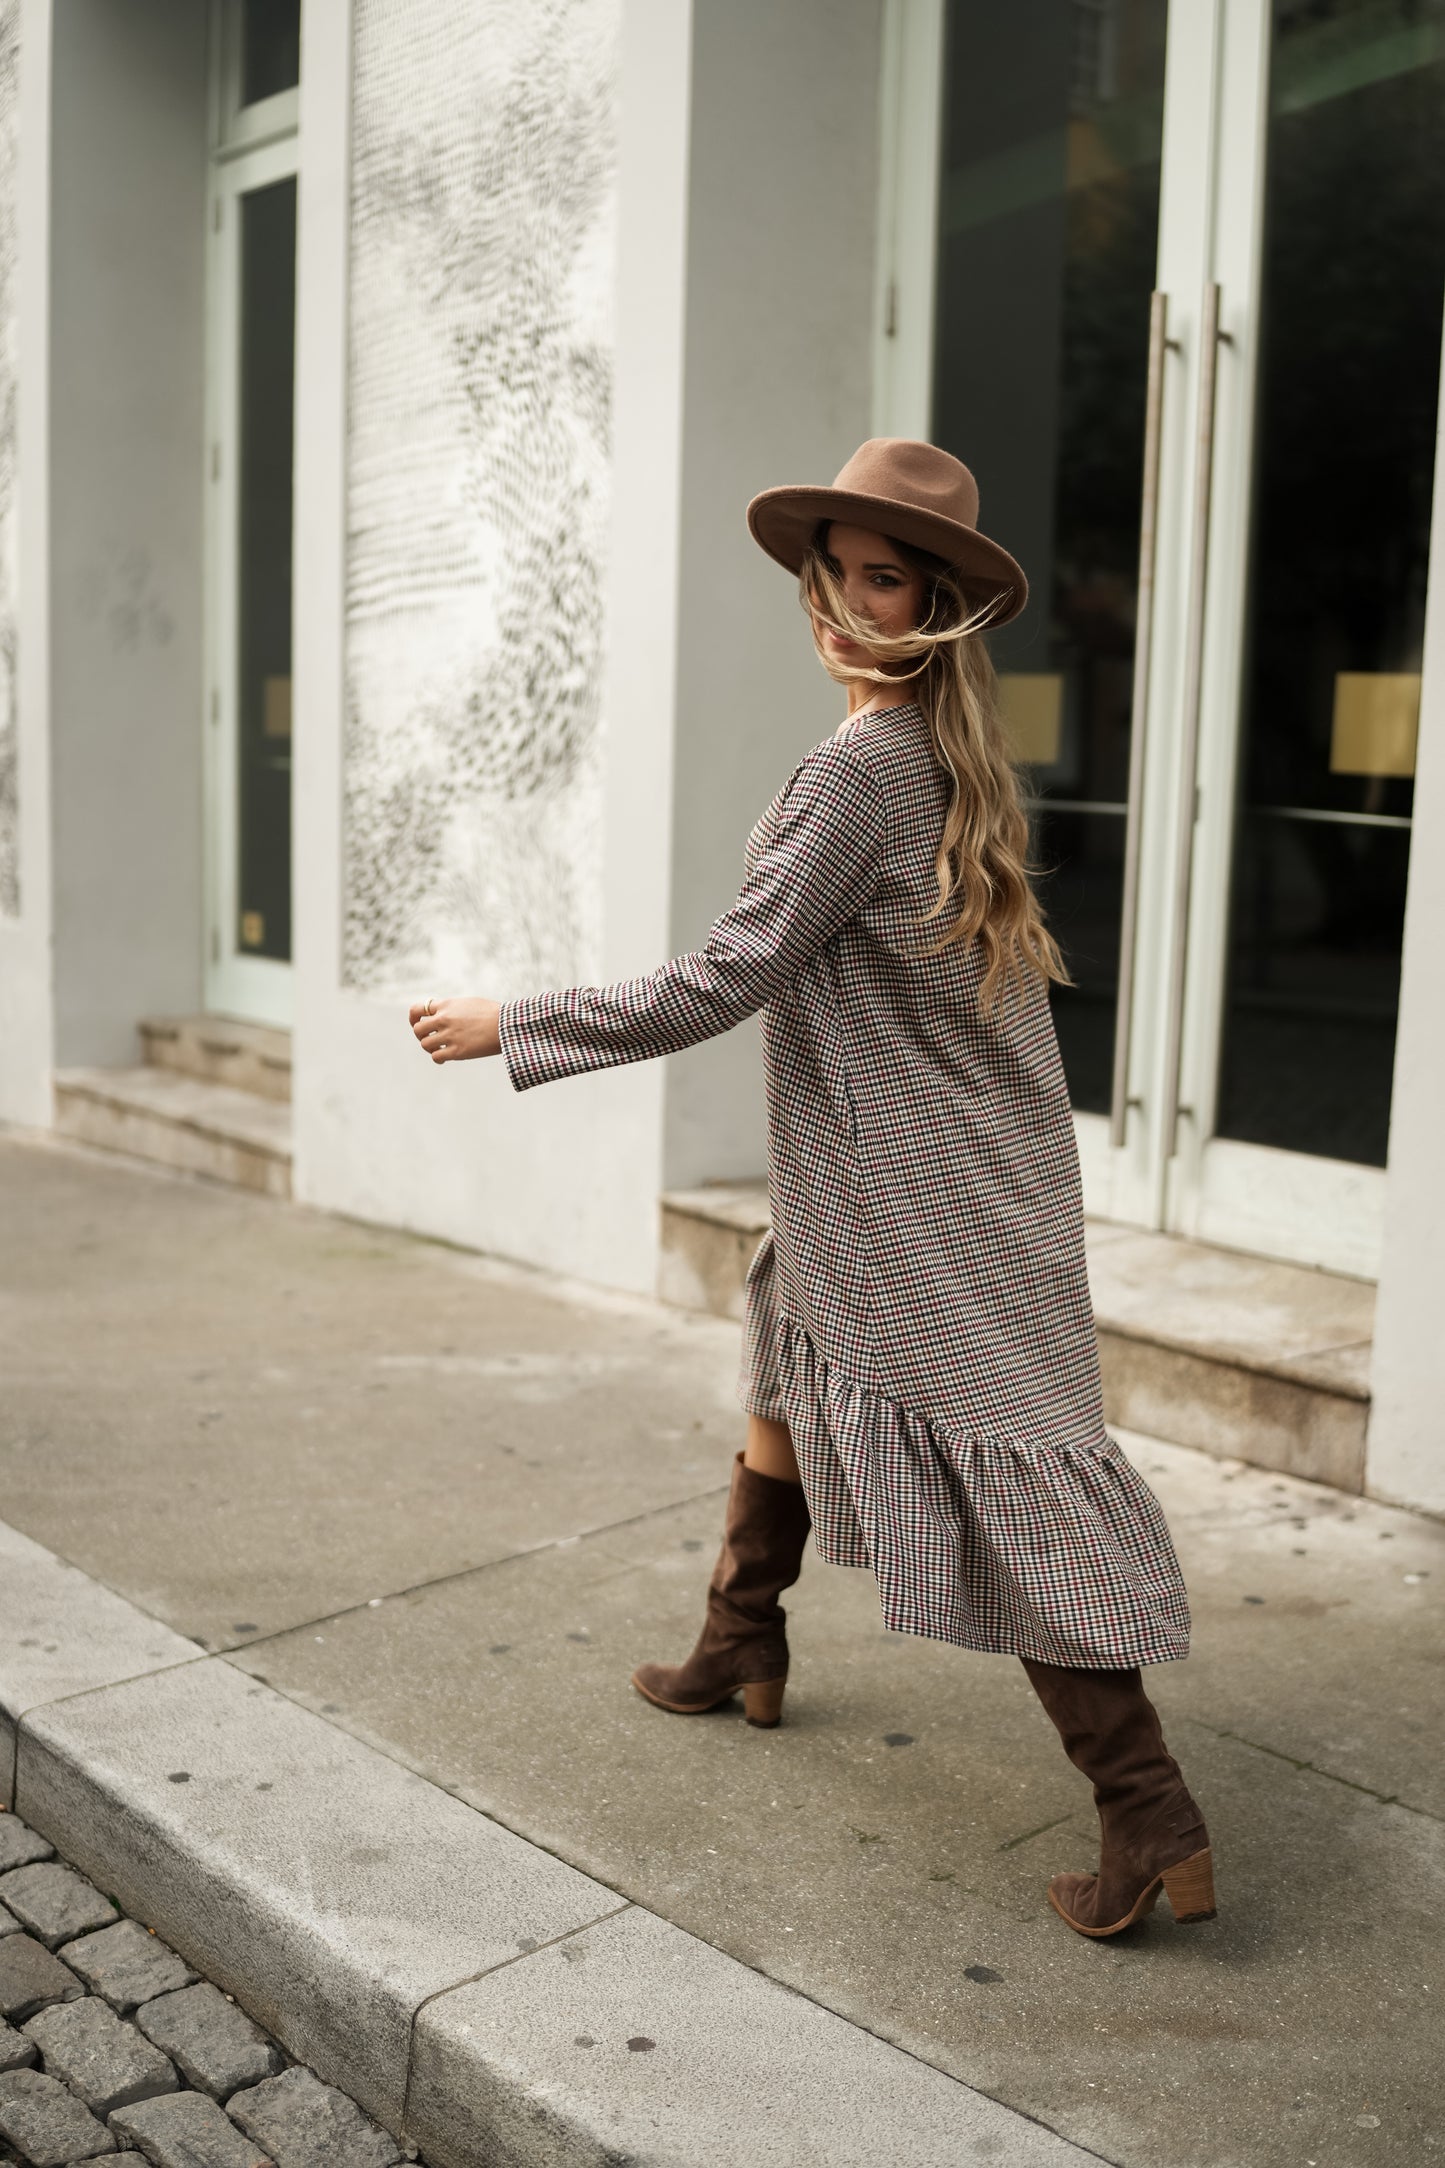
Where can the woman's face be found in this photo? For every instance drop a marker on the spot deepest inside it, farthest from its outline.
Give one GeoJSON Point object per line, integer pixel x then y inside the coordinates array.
{"type": "Point", "coordinates": [879, 585]}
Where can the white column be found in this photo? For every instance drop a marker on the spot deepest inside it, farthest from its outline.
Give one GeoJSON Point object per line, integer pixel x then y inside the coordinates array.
{"type": "Point", "coordinates": [1405, 1457]}
{"type": "Point", "coordinates": [566, 1177]}
{"type": "Point", "coordinates": [27, 1023]}
{"type": "Point", "coordinates": [781, 243]}
{"type": "Point", "coordinates": [126, 438]}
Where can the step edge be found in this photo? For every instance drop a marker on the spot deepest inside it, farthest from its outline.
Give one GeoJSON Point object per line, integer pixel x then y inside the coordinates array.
{"type": "Point", "coordinates": [1292, 1370]}
{"type": "Point", "coordinates": [68, 1087]}
{"type": "Point", "coordinates": [693, 1205]}
{"type": "Point", "coordinates": [1284, 1370]}
{"type": "Point", "coordinates": [217, 1020]}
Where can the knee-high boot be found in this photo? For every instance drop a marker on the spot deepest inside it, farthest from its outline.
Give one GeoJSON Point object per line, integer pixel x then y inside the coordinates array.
{"type": "Point", "coordinates": [1152, 1833]}
{"type": "Point", "coordinates": [743, 1643]}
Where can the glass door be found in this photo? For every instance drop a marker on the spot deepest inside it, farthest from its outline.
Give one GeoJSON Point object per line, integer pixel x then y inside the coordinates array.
{"type": "Point", "coordinates": [1185, 327]}
{"type": "Point", "coordinates": [1328, 259]}
{"type": "Point", "coordinates": [251, 378]}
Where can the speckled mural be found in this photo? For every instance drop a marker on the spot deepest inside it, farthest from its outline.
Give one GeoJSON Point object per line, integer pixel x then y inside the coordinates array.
{"type": "Point", "coordinates": [481, 281]}
{"type": "Point", "coordinates": [9, 370]}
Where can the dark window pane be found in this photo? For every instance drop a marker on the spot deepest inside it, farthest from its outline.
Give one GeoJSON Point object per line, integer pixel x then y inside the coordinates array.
{"type": "Point", "coordinates": [1048, 235]}
{"type": "Point", "coordinates": [268, 326]}
{"type": "Point", "coordinates": [1082, 856]}
{"type": "Point", "coordinates": [270, 48]}
{"type": "Point", "coordinates": [1345, 432]}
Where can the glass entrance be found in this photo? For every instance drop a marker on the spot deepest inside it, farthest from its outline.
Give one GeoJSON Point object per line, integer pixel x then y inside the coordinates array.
{"type": "Point", "coordinates": [1186, 330]}
{"type": "Point", "coordinates": [252, 369]}
{"type": "Point", "coordinates": [263, 584]}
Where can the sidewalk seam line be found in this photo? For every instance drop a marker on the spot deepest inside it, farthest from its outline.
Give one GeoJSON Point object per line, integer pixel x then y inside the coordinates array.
{"type": "Point", "coordinates": [470, 1979]}
{"type": "Point", "coordinates": [58, 1701]}
{"type": "Point", "coordinates": [1276, 1753]}
{"type": "Point", "coordinates": [458, 1573]}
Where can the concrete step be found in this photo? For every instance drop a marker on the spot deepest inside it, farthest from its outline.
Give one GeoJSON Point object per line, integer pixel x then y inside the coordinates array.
{"type": "Point", "coordinates": [179, 1121]}
{"type": "Point", "coordinates": [221, 1050]}
{"type": "Point", "coordinates": [1235, 1355]}
{"type": "Point", "coordinates": [1243, 1357]}
{"type": "Point", "coordinates": [708, 1239]}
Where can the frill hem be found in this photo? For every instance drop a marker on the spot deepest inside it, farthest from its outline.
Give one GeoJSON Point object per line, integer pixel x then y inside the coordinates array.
{"type": "Point", "coordinates": [1058, 1553]}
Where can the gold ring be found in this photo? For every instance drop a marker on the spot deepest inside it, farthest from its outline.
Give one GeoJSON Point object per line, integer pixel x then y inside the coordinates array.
{"type": "Point", "coordinates": [431, 1004]}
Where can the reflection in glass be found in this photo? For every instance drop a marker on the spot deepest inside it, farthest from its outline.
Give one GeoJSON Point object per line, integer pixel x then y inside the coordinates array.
{"type": "Point", "coordinates": [267, 358]}
{"type": "Point", "coordinates": [1048, 227]}
{"type": "Point", "coordinates": [270, 48]}
{"type": "Point", "coordinates": [1345, 431]}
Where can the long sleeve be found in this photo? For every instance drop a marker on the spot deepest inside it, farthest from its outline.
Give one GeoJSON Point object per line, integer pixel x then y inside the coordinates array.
{"type": "Point", "coordinates": [816, 868]}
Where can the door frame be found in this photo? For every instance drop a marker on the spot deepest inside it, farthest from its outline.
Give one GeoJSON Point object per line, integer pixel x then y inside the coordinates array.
{"type": "Point", "coordinates": [251, 147]}
{"type": "Point", "coordinates": [910, 114]}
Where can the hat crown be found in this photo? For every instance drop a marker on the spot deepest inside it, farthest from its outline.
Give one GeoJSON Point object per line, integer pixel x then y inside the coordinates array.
{"type": "Point", "coordinates": [920, 496]}
{"type": "Point", "coordinates": [909, 472]}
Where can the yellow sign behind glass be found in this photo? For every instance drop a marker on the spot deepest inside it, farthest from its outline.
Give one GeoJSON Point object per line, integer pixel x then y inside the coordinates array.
{"type": "Point", "coordinates": [1031, 703]}
{"type": "Point", "coordinates": [276, 707]}
{"type": "Point", "coordinates": [1376, 722]}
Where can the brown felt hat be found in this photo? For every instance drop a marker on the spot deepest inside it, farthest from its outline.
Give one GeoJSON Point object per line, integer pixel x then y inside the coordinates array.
{"type": "Point", "coordinates": [913, 492]}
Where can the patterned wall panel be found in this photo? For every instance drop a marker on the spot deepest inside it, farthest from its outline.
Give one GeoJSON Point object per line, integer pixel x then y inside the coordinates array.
{"type": "Point", "coordinates": [481, 281]}
{"type": "Point", "coordinates": [9, 370]}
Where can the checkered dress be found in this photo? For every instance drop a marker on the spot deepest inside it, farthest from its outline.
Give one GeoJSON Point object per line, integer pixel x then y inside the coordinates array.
{"type": "Point", "coordinates": [920, 1313]}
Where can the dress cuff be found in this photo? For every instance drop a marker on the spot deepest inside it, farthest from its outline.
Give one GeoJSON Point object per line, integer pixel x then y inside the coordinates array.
{"type": "Point", "coordinates": [531, 1053]}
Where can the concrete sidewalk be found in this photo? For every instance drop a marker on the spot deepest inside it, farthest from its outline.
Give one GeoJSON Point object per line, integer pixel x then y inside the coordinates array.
{"type": "Point", "coordinates": [445, 1508]}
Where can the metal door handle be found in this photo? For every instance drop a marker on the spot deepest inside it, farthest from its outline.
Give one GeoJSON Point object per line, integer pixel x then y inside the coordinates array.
{"type": "Point", "coordinates": [1193, 688]}
{"type": "Point", "coordinates": [1139, 707]}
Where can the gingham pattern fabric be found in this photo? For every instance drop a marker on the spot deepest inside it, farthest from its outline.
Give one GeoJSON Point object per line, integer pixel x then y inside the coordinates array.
{"type": "Point", "coordinates": [920, 1314]}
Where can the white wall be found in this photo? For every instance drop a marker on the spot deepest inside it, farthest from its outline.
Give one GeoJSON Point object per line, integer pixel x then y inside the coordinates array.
{"type": "Point", "coordinates": [127, 267]}
{"type": "Point", "coordinates": [783, 180]}
{"type": "Point", "coordinates": [1405, 1454]}
{"type": "Point", "coordinates": [742, 357]}
{"type": "Point", "coordinates": [568, 1176]}
{"type": "Point", "coordinates": [26, 1020]}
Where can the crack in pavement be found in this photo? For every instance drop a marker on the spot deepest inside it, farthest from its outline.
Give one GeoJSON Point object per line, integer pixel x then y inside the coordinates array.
{"type": "Point", "coordinates": [1331, 1776]}
{"type": "Point", "coordinates": [1057, 1823]}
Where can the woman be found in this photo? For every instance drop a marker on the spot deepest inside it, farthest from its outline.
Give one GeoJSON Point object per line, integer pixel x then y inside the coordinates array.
{"type": "Point", "coordinates": [921, 1372]}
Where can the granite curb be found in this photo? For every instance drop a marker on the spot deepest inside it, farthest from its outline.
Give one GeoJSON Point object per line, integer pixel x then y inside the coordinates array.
{"type": "Point", "coordinates": [491, 2004]}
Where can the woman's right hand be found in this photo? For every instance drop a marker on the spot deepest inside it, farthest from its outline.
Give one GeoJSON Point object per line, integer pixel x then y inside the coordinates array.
{"type": "Point", "coordinates": [457, 1030]}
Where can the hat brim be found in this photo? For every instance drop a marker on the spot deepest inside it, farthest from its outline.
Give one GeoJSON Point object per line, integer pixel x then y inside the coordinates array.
{"type": "Point", "coordinates": [783, 521]}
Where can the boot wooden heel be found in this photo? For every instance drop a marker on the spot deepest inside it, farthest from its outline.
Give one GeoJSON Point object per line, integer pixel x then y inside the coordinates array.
{"type": "Point", "coordinates": [1190, 1888]}
{"type": "Point", "coordinates": [763, 1703]}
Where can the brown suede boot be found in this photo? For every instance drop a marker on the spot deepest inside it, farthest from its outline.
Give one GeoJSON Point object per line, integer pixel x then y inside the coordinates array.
{"type": "Point", "coordinates": [1153, 1835]}
{"type": "Point", "coordinates": [742, 1643]}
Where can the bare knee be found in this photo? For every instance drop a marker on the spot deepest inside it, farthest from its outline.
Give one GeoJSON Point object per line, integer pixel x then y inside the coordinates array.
{"type": "Point", "coordinates": [769, 1450]}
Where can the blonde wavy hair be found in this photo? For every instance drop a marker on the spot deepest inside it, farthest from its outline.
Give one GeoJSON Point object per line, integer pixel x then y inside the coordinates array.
{"type": "Point", "coordinates": [985, 877]}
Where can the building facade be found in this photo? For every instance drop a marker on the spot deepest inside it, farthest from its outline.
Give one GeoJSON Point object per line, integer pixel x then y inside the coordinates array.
{"type": "Point", "coordinates": [381, 386]}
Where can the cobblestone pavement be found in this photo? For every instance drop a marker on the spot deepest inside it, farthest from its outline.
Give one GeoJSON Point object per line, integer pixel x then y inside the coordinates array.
{"type": "Point", "coordinates": [110, 2045]}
